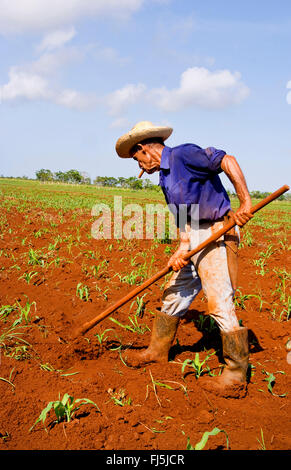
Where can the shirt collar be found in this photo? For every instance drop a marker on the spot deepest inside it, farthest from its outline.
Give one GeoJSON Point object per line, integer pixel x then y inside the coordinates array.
{"type": "Point", "coordinates": [164, 164]}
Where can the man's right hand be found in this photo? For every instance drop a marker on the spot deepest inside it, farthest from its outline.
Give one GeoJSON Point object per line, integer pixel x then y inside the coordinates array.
{"type": "Point", "coordinates": [177, 261]}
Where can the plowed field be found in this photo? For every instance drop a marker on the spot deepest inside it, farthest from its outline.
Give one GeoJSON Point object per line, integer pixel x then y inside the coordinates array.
{"type": "Point", "coordinates": [55, 276]}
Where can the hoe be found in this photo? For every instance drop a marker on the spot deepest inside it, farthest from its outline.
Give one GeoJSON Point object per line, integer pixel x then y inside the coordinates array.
{"type": "Point", "coordinates": [90, 324]}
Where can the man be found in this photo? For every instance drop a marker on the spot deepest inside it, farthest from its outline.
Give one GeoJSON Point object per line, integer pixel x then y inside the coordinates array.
{"type": "Point", "coordinates": [190, 175]}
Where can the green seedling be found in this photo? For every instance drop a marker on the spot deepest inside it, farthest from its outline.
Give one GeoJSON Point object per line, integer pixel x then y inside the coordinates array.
{"type": "Point", "coordinates": [12, 335]}
{"type": "Point", "coordinates": [35, 258]}
{"type": "Point", "coordinates": [19, 353]}
{"type": "Point", "coordinates": [154, 386]}
{"type": "Point", "coordinates": [5, 311]}
{"type": "Point", "coordinates": [28, 276]}
{"type": "Point", "coordinates": [270, 379]}
{"type": "Point", "coordinates": [140, 306]}
{"type": "Point", "coordinates": [240, 299]}
{"type": "Point", "coordinates": [25, 312]}
{"type": "Point", "coordinates": [200, 445]}
{"type": "Point", "coordinates": [119, 397]}
{"type": "Point", "coordinates": [135, 328]}
{"type": "Point", "coordinates": [266, 254]}
{"type": "Point", "coordinates": [262, 442]}
{"type": "Point", "coordinates": [103, 293]}
{"type": "Point", "coordinates": [247, 239]}
{"type": "Point", "coordinates": [9, 379]}
{"type": "Point", "coordinates": [101, 337]}
{"type": "Point", "coordinates": [206, 323]}
{"type": "Point", "coordinates": [5, 436]}
{"type": "Point", "coordinates": [82, 292]}
{"type": "Point", "coordinates": [64, 409]}
{"type": "Point", "coordinates": [197, 365]}
{"type": "Point", "coordinates": [261, 263]}
{"type": "Point", "coordinates": [99, 269]}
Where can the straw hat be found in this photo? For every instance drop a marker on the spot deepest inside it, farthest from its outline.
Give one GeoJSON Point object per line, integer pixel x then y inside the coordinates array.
{"type": "Point", "coordinates": [141, 131]}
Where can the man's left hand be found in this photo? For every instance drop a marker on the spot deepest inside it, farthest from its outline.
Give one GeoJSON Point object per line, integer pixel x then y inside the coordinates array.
{"type": "Point", "coordinates": [243, 214]}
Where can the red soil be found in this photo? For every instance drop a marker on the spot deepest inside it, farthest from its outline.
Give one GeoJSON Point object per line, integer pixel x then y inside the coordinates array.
{"type": "Point", "coordinates": [154, 417]}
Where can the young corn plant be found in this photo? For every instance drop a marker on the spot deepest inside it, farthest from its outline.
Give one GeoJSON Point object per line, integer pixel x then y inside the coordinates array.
{"type": "Point", "coordinates": [271, 379]}
{"type": "Point", "coordinates": [206, 323]}
{"type": "Point", "coordinates": [5, 311]}
{"type": "Point", "coordinates": [82, 292]}
{"type": "Point", "coordinates": [12, 337]}
{"type": "Point", "coordinates": [140, 306]}
{"type": "Point", "coordinates": [103, 293]}
{"type": "Point", "coordinates": [25, 312]}
{"type": "Point", "coordinates": [240, 299]}
{"type": "Point", "coordinates": [101, 337]}
{"type": "Point", "coordinates": [135, 326]}
{"type": "Point", "coordinates": [28, 276]}
{"type": "Point", "coordinates": [65, 409]}
{"type": "Point", "coordinates": [35, 258]}
{"type": "Point", "coordinates": [198, 365]}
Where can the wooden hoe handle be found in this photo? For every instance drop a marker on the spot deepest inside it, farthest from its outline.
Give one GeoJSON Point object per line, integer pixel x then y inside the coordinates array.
{"type": "Point", "coordinates": [90, 324]}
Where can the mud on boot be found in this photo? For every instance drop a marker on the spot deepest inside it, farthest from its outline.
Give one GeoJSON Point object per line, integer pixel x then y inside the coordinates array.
{"type": "Point", "coordinates": [163, 334]}
{"type": "Point", "coordinates": [232, 383]}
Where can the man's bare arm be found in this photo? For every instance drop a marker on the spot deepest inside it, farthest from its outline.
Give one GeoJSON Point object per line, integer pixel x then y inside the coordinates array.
{"type": "Point", "coordinates": [233, 171]}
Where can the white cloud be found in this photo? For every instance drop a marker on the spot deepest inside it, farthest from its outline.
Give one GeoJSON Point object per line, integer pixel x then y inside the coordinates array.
{"type": "Point", "coordinates": [32, 82]}
{"type": "Point", "coordinates": [56, 39]}
{"type": "Point", "coordinates": [203, 88]}
{"type": "Point", "coordinates": [198, 88]}
{"type": "Point", "coordinates": [288, 97]}
{"type": "Point", "coordinates": [33, 87]}
{"type": "Point", "coordinates": [119, 100]}
{"type": "Point", "coordinates": [45, 15]}
{"type": "Point", "coordinates": [24, 85]}
{"type": "Point", "coordinates": [75, 100]}
{"type": "Point", "coordinates": [49, 62]}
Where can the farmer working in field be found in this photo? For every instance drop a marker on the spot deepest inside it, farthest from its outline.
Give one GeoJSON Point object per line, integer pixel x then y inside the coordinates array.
{"type": "Point", "coordinates": [189, 175]}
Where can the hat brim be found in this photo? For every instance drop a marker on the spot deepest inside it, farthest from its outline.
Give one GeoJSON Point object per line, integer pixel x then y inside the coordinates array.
{"type": "Point", "coordinates": [127, 141]}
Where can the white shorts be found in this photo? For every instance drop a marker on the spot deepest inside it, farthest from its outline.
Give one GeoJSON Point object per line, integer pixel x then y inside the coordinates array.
{"type": "Point", "coordinates": [208, 270]}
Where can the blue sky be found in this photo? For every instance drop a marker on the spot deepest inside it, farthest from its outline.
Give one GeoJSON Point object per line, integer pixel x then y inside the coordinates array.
{"type": "Point", "coordinates": [77, 74]}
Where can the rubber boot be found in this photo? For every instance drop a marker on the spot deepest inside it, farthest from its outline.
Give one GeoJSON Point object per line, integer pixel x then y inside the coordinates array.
{"type": "Point", "coordinates": [163, 334]}
{"type": "Point", "coordinates": [232, 382]}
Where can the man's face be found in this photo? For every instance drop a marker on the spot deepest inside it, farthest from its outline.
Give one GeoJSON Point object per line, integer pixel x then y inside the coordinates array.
{"type": "Point", "coordinates": [146, 158]}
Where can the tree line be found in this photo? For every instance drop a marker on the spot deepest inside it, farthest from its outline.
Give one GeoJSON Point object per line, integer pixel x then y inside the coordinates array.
{"type": "Point", "coordinates": [77, 177]}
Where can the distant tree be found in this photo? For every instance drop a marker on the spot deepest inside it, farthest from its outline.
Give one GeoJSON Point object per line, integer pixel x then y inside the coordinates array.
{"type": "Point", "coordinates": [85, 178]}
{"type": "Point", "coordinates": [147, 184]}
{"type": "Point", "coordinates": [106, 181]}
{"type": "Point", "coordinates": [135, 183]}
{"type": "Point", "coordinates": [74, 176]}
{"type": "Point", "coordinates": [44, 175]}
{"type": "Point", "coordinates": [60, 176]}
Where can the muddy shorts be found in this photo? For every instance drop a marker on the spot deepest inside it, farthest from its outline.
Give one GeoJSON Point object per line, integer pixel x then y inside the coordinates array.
{"type": "Point", "coordinates": [208, 270]}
